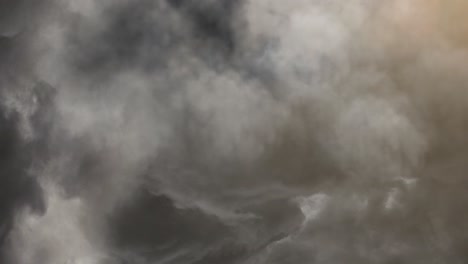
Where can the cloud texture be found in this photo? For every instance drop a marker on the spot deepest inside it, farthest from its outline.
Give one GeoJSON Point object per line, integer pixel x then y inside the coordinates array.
{"type": "Point", "coordinates": [233, 131]}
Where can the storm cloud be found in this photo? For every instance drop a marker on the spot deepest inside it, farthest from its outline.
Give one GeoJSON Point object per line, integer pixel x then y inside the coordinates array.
{"type": "Point", "coordinates": [233, 131]}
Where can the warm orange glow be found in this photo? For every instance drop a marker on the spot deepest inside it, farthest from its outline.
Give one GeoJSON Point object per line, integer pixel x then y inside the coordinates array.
{"type": "Point", "coordinates": [453, 20]}
{"type": "Point", "coordinates": [423, 22]}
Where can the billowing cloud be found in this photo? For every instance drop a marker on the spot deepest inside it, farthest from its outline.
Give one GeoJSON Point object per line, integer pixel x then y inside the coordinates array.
{"type": "Point", "coordinates": [229, 131]}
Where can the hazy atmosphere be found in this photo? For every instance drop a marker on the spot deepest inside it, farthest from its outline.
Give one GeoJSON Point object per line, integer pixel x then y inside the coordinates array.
{"type": "Point", "coordinates": [233, 132]}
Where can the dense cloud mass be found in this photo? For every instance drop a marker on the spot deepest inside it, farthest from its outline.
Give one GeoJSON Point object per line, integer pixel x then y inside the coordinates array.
{"type": "Point", "coordinates": [233, 131]}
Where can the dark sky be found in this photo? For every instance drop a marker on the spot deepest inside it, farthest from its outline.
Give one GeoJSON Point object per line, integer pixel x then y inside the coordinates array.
{"type": "Point", "coordinates": [233, 131]}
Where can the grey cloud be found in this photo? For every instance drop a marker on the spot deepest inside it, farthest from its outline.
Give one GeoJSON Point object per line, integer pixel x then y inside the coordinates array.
{"type": "Point", "coordinates": [225, 131]}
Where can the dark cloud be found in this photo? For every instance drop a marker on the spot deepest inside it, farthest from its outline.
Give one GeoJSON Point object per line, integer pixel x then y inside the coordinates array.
{"type": "Point", "coordinates": [145, 34]}
{"type": "Point", "coordinates": [183, 131]}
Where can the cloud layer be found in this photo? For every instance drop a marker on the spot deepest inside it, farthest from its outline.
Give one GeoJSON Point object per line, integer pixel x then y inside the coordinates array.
{"type": "Point", "coordinates": [232, 131]}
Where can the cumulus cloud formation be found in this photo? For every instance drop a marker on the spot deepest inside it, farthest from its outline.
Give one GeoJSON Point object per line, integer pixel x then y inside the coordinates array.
{"type": "Point", "coordinates": [233, 131]}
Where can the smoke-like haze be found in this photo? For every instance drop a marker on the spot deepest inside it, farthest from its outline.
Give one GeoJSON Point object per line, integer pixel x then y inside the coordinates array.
{"type": "Point", "coordinates": [233, 131]}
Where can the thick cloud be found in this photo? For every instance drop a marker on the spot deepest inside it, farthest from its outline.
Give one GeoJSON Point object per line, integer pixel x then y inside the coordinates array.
{"type": "Point", "coordinates": [249, 131]}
